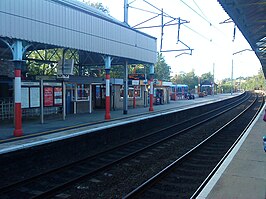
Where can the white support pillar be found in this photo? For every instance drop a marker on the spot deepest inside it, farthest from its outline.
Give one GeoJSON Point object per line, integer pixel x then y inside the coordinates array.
{"type": "Point", "coordinates": [17, 49]}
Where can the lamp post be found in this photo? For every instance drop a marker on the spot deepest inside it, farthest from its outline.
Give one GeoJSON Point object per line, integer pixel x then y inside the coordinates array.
{"type": "Point", "coordinates": [232, 76]}
{"type": "Point", "coordinates": [233, 66]}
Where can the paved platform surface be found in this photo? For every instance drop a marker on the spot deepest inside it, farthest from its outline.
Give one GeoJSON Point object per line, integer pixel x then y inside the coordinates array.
{"type": "Point", "coordinates": [243, 173]}
{"type": "Point", "coordinates": [38, 134]}
{"type": "Point", "coordinates": [34, 126]}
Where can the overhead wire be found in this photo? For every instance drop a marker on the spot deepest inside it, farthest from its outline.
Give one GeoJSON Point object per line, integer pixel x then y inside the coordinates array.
{"type": "Point", "coordinates": [204, 17]}
{"type": "Point", "coordinates": [200, 9]}
{"type": "Point", "coordinates": [196, 12]}
{"type": "Point", "coordinates": [197, 32]}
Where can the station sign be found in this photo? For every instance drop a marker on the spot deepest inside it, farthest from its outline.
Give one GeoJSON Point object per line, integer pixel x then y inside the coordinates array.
{"type": "Point", "coordinates": [45, 77]}
{"type": "Point", "coordinates": [135, 82]}
{"type": "Point", "coordinates": [136, 76]}
{"type": "Point", "coordinates": [66, 68]}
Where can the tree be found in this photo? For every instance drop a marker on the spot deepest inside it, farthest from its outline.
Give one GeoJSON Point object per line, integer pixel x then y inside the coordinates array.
{"type": "Point", "coordinates": [117, 71]}
{"type": "Point", "coordinates": [98, 5]}
{"type": "Point", "coordinates": [44, 62]}
{"type": "Point", "coordinates": [257, 82]}
{"type": "Point", "coordinates": [191, 79]}
{"type": "Point", "coordinates": [206, 77]}
{"type": "Point", "coordinates": [162, 69]}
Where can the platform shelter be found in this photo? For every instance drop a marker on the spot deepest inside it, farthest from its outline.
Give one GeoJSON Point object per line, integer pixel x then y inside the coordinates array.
{"type": "Point", "coordinates": [43, 33]}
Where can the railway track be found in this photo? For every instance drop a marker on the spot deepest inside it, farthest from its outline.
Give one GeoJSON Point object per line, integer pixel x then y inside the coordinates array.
{"type": "Point", "coordinates": [187, 175]}
{"type": "Point", "coordinates": [53, 182]}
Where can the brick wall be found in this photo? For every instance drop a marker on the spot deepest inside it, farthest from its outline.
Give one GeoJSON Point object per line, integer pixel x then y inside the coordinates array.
{"type": "Point", "coordinates": [7, 68]}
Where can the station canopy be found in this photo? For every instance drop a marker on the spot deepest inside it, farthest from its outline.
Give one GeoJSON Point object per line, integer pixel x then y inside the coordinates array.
{"type": "Point", "coordinates": [70, 24]}
{"type": "Point", "coordinates": [250, 18]}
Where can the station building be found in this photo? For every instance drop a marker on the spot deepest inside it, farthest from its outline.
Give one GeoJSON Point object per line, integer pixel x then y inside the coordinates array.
{"type": "Point", "coordinates": [70, 39]}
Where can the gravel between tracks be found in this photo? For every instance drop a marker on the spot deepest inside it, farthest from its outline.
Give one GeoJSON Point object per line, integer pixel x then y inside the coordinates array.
{"type": "Point", "coordinates": [122, 178]}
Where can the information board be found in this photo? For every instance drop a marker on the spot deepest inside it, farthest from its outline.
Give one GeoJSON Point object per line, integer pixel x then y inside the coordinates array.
{"type": "Point", "coordinates": [24, 97]}
{"type": "Point", "coordinates": [48, 96]}
{"type": "Point", "coordinates": [58, 96]}
{"type": "Point", "coordinates": [34, 97]}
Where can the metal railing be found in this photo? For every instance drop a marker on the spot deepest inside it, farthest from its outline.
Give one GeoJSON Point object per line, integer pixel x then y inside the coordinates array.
{"type": "Point", "coordinates": [7, 110]}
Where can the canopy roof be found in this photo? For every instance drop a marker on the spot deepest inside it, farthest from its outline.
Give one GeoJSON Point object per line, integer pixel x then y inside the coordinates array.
{"type": "Point", "coordinates": [250, 18]}
{"type": "Point", "coordinates": [71, 24]}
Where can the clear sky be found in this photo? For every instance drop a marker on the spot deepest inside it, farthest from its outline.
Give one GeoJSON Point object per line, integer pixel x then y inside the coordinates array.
{"type": "Point", "coordinates": [211, 41]}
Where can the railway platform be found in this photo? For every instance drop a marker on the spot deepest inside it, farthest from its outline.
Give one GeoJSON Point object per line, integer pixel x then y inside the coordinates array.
{"type": "Point", "coordinates": [35, 133]}
{"type": "Point", "coordinates": [243, 173]}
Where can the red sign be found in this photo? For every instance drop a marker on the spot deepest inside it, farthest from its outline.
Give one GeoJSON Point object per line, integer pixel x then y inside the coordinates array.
{"type": "Point", "coordinates": [48, 96]}
{"type": "Point", "coordinates": [58, 96]}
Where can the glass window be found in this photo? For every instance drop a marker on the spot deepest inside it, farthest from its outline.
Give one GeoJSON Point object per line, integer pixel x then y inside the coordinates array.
{"type": "Point", "coordinates": [83, 92]}
{"type": "Point", "coordinates": [131, 90]}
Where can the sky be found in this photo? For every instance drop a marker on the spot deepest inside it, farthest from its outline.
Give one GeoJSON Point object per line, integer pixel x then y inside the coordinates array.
{"type": "Point", "coordinates": [211, 41]}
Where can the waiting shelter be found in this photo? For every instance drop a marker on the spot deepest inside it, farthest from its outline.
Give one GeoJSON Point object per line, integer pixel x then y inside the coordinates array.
{"type": "Point", "coordinates": [43, 32]}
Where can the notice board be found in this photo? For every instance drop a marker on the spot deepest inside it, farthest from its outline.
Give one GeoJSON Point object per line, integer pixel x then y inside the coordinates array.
{"type": "Point", "coordinates": [48, 96]}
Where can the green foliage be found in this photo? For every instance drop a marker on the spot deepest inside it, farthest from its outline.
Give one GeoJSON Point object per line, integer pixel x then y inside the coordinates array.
{"type": "Point", "coordinates": [44, 62]}
{"type": "Point", "coordinates": [191, 79]}
{"type": "Point", "coordinates": [257, 82]}
{"type": "Point", "coordinates": [206, 77]}
{"type": "Point", "coordinates": [225, 87]}
{"type": "Point", "coordinates": [162, 69]}
{"type": "Point", "coordinates": [117, 72]}
{"type": "Point", "coordinates": [98, 5]}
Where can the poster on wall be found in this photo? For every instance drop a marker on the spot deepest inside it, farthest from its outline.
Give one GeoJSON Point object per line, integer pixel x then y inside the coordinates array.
{"type": "Point", "coordinates": [24, 97]}
{"type": "Point", "coordinates": [48, 96]}
{"type": "Point", "coordinates": [34, 97]}
{"type": "Point", "coordinates": [58, 96]}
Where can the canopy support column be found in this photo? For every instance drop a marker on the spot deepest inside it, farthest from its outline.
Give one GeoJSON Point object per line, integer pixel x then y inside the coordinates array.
{"type": "Point", "coordinates": [17, 49]}
{"type": "Point", "coordinates": [107, 61]}
{"type": "Point", "coordinates": [125, 97]}
{"type": "Point", "coordinates": [151, 87]}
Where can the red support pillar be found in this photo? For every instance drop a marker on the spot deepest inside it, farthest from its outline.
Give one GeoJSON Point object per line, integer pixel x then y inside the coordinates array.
{"type": "Point", "coordinates": [107, 97]}
{"type": "Point", "coordinates": [107, 61]}
{"type": "Point", "coordinates": [17, 109]}
{"type": "Point", "coordinates": [17, 51]}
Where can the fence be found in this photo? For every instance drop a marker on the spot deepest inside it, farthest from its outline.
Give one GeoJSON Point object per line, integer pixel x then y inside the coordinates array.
{"type": "Point", "coordinates": [7, 110]}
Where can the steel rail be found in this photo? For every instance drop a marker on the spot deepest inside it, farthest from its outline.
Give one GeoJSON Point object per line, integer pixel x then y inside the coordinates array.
{"type": "Point", "coordinates": [160, 175]}
{"type": "Point", "coordinates": [54, 190]}
{"type": "Point", "coordinates": [200, 188]}
{"type": "Point", "coordinates": [121, 159]}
